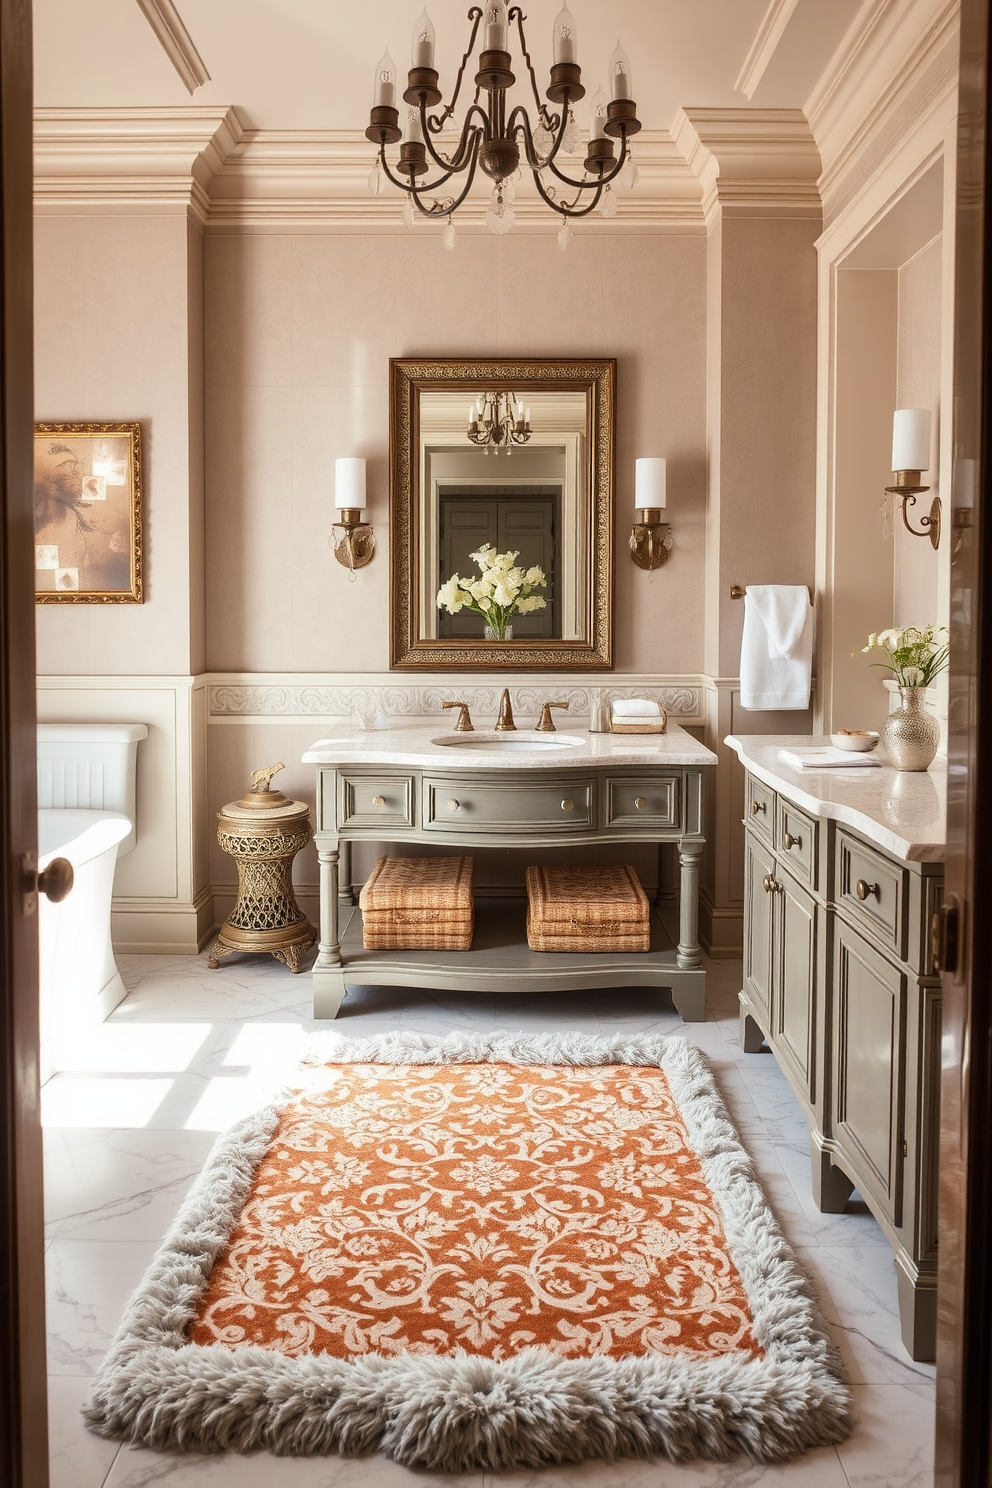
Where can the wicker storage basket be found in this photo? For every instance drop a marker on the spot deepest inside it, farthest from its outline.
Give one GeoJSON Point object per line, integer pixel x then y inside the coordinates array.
{"type": "Point", "coordinates": [416, 904]}
{"type": "Point", "coordinates": [586, 909]}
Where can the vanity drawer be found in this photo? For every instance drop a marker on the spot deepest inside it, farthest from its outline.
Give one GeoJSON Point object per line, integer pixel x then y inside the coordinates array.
{"type": "Point", "coordinates": [796, 841]}
{"type": "Point", "coordinates": [759, 808]}
{"type": "Point", "coordinates": [872, 889]}
{"type": "Point", "coordinates": [468, 804]}
{"type": "Point", "coordinates": [652, 802]}
{"type": "Point", "coordinates": [371, 801]}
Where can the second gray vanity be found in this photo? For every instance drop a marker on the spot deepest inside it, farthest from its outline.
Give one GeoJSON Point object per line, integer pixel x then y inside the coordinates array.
{"type": "Point", "coordinates": [844, 870]}
{"type": "Point", "coordinates": [525, 790]}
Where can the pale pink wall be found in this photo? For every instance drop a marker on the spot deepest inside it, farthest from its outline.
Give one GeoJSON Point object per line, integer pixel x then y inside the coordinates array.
{"type": "Point", "coordinates": [914, 591]}
{"type": "Point", "coordinates": [298, 335]}
{"type": "Point", "coordinates": [112, 342]}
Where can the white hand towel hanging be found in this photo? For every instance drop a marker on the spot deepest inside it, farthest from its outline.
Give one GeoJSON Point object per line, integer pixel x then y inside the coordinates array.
{"type": "Point", "coordinates": [776, 647]}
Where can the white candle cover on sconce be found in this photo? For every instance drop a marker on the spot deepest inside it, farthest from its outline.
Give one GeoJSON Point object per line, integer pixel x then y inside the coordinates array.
{"type": "Point", "coordinates": [911, 439]}
{"type": "Point", "coordinates": [650, 483]}
{"type": "Point", "coordinates": [349, 483]}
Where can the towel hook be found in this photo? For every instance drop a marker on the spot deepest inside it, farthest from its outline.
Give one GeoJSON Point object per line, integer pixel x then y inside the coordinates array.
{"type": "Point", "coordinates": [736, 592]}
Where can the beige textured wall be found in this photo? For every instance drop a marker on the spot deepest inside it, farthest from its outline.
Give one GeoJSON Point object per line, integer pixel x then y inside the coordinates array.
{"type": "Point", "coordinates": [113, 342]}
{"type": "Point", "coordinates": [914, 592]}
{"type": "Point", "coordinates": [298, 335]}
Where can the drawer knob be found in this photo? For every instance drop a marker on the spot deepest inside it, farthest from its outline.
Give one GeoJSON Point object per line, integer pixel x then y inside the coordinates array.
{"type": "Point", "coordinates": [864, 889]}
{"type": "Point", "coordinates": [568, 805]}
{"type": "Point", "coordinates": [791, 842]}
{"type": "Point", "coordinates": [453, 805]}
{"type": "Point", "coordinates": [378, 801]}
{"type": "Point", "coordinates": [641, 803]}
{"type": "Point", "coordinates": [757, 806]}
{"type": "Point", "coordinates": [768, 883]}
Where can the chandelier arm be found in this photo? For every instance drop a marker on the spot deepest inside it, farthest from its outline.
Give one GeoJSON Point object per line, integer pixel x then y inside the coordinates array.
{"type": "Point", "coordinates": [569, 209]}
{"type": "Point", "coordinates": [516, 14]}
{"type": "Point", "coordinates": [442, 209]}
{"type": "Point", "coordinates": [474, 15]}
{"type": "Point", "coordinates": [461, 156]}
{"type": "Point", "coordinates": [602, 180]}
{"type": "Point", "coordinates": [522, 126]}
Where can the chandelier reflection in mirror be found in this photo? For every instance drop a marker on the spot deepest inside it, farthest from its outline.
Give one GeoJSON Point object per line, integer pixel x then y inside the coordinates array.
{"type": "Point", "coordinates": [498, 420]}
{"type": "Point", "coordinates": [499, 141]}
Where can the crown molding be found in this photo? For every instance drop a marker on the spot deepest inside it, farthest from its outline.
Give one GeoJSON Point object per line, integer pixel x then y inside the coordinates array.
{"type": "Point", "coordinates": [131, 159]}
{"type": "Point", "coordinates": [751, 162]}
{"type": "Point", "coordinates": [309, 180]}
{"type": "Point", "coordinates": [768, 35]}
{"type": "Point", "coordinates": [176, 42]}
{"type": "Point", "coordinates": [896, 62]}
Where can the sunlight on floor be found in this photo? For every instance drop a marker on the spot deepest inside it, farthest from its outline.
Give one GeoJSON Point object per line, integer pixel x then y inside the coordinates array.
{"type": "Point", "coordinates": [228, 1100]}
{"type": "Point", "coordinates": [68, 1101]}
{"type": "Point", "coordinates": [148, 1048]}
{"type": "Point", "coordinates": [268, 1046]}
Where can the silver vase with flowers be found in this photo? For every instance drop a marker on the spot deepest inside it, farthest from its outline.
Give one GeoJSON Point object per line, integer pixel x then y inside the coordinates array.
{"type": "Point", "coordinates": [915, 656]}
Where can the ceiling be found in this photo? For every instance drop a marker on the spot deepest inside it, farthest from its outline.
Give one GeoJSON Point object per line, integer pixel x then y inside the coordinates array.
{"type": "Point", "coordinates": [307, 64]}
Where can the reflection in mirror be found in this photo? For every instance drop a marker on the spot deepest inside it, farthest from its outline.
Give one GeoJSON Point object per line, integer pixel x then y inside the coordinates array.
{"type": "Point", "coordinates": [539, 487]}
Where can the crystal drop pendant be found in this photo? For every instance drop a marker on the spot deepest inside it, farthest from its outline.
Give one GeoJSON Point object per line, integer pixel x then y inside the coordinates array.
{"type": "Point", "coordinates": [543, 141]}
{"type": "Point", "coordinates": [572, 137]}
{"type": "Point", "coordinates": [375, 180]}
{"type": "Point", "coordinates": [509, 191]}
{"type": "Point", "coordinates": [408, 213]}
{"type": "Point", "coordinates": [564, 235]}
{"type": "Point", "coordinates": [629, 173]}
{"type": "Point", "coordinates": [448, 236]}
{"type": "Point", "coordinates": [608, 204]}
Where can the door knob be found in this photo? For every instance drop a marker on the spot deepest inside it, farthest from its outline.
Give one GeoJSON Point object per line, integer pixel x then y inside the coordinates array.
{"type": "Point", "coordinates": [55, 881]}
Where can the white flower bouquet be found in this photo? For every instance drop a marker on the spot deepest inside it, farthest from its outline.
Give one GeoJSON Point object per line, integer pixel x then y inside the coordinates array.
{"type": "Point", "coordinates": [915, 656]}
{"type": "Point", "coordinates": [501, 591]}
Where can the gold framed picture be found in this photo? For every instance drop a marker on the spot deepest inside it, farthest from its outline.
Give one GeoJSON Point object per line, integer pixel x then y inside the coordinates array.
{"type": "Point", "coordinates": [87, 513]}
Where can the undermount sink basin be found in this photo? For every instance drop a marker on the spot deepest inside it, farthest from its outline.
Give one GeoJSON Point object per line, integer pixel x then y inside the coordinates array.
{"type": "Point", "coordinates": [520, 740]}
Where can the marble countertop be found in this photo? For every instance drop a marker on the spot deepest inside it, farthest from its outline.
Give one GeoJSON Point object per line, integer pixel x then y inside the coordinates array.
{"type": "Point", "coordinates": [904, 812]}
{"type": "Point", "coordinates": [416, 745]}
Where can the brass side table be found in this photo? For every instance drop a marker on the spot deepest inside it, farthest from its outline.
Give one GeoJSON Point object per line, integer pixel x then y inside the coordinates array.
{"type": "Point", "coordinates": [263, 832]}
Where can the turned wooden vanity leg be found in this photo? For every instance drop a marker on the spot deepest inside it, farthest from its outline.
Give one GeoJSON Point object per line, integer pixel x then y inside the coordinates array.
{"type": "Point", "coordinates": [328, 973]}
{"type": "Point", "coordinates": [689, 954]}
{"type": "Point", "coordinates": [346, 894]}
{"type": "Point", "coordinates": [831, 1186]}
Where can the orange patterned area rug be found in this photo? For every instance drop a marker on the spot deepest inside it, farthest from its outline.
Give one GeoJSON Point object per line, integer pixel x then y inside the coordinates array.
{"type": "Point", "coordinates": [479, 1252]}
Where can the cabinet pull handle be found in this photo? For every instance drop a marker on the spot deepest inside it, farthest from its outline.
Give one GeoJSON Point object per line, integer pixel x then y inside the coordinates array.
{"type": "Point", "coordinates": [768, 884]}
{"type": "Point", "coordinates": [378, 800]}
{"type": "Point", "coordinates": [757, 806]}
{"type": "Point", "coordinates": [453, 805]}
{"type": "Point", "coordinates": [568, 805]}
{"type": "Point", "coordinates": [864, 890]}
{"type": "Point", "coordinates": [640, 803]}
{"type": "Point", "coordinates": [791, 842]}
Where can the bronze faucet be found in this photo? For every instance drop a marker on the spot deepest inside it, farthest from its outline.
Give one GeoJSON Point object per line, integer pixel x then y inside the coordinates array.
{"type": "Point", "coordinates": [464, 724]}
{"type": "Point", "coordinates": [546, 723]}
{"type": "Point", "coordinates": [505, 720]}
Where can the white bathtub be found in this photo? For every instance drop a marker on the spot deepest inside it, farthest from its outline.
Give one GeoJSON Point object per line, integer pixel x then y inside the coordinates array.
{"type": "Point", "coordinates": [79, 980]}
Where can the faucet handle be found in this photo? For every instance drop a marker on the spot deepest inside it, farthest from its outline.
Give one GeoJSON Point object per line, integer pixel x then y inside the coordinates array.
{"type": "Point", "coordinates": [464, 724]}
{"type": "Point", "coordinates": [545, 724]}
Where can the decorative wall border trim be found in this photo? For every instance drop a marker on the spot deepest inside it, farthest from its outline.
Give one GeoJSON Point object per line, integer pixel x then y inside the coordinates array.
{"type": "Point", "coordinates": [176, 42]}
{"type": "Point", "coordinates": [238, 698]}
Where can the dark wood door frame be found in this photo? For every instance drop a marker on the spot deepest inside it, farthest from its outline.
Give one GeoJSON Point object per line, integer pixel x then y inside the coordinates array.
{"type": "Point", "coordinates": [23, 1420]}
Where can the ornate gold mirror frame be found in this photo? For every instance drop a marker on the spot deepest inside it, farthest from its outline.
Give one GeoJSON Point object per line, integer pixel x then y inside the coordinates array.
{"type": "Point", "coordinates": [414, 576]}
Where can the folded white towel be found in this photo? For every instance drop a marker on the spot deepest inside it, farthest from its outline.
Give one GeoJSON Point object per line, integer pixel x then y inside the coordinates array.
{"type": "Point", "coordinates": [782, 608]}
{"type": "Point", "coordinates": [635, 708]}
{"type": "Point", "coordinates": [770, 680]}
{"type": "Point", "coordinates": [828, 758]}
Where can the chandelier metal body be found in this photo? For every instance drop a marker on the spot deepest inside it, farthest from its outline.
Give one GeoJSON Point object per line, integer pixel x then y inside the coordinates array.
{"type": "Point", "coordinates": [498, 421]}
{"type": "Point", "coordinates": [495, 137]}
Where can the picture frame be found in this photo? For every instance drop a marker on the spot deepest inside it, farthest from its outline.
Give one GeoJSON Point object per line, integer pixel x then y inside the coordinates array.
{"type": "Point", "coordinates": [88, 513]}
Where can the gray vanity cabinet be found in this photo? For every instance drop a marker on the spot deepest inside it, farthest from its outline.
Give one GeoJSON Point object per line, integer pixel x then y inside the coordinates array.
{"type": "Point", "coordinates": [839, 984]}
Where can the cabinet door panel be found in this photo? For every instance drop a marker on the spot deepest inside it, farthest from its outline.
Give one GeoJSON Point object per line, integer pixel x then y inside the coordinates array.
{"type": "Point", "coordinates": [795, 979]}
{"type": "Point", "coordinates": [758, 865]}
{"type": "Point", "coordinates": [868, 1020]}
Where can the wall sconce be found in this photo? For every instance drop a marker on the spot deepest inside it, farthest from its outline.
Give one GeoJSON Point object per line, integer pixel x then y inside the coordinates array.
{"type": "Point", "coordinates": [650, 537]}
{"type": "Point", "coordinates": [910, 457]}
{"type": "Point", "coordinates": [353, 541]}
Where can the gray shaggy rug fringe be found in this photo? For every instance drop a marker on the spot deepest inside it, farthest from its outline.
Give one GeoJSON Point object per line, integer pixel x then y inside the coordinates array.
{"type": "Point", "coordinates": [465, 1413]}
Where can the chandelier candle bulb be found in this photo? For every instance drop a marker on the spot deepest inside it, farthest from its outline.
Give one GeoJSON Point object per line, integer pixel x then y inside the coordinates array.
{"type": "Point", "coordinates": [563, 36]}
{"type": "Point", "coordinates": [496, 26]}
{"type": "Point", "coordinates": [911, 439]}
{"type": "Point", "coordinates": [597, 115]}
{"type": "Point", "coordinates": [423, 42]}
{"type": "Point", "coordinates": [349, 484]}
{"type": "Point", "coordinates": [385, 82]}
{"type": "Point", "coordinates": [619, 73]}
{"type": "Point", "coordinates": [413, 134]}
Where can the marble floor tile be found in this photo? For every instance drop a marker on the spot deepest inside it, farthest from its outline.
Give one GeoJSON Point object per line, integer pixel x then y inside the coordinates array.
{"type": "Point", "coordinates": [893, 1446]}
{"type": "Point", "coordinates": [819, 1469]}
{"type": "Point", "coordinates": [77, 1458]}
{"type": "Point", "coordinates": [856, 1226]}
{"type": "Point", "coordinates": [88, 1284]}
{"type": "Point", "coordinates": [121, 1185]}
{"type": "Point", "coordinates": [857, 1287]}
{"type": "Point", "coordinates": [138, 1468]}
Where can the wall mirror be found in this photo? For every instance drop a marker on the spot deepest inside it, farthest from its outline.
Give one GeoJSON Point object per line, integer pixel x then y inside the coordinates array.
{"type": "Point", "coordinates": [543, 490]}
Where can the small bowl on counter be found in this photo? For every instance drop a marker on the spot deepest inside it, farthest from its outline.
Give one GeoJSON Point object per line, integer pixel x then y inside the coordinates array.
{"type": "Point", "coordinates": [858, 741]}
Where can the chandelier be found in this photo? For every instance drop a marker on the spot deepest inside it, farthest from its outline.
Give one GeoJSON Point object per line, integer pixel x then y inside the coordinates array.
{"type": "Point", "coordinates": [498, 421]}
{"type": "Point", "coordinates": [499, 139]}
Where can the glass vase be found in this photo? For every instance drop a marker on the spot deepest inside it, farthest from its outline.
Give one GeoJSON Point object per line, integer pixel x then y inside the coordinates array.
{"type": "Point", "coordinates": [493, 633]}
{"type": "Point", "coordinates": [910, 735]}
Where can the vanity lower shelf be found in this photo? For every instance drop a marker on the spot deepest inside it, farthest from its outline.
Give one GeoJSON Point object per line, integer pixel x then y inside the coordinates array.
{"type": "Point", "coordinates": [501, 961]}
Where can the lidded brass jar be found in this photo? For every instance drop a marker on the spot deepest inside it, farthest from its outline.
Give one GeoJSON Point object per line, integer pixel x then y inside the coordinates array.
{"type": "Point", "coordinates": [263, 832]}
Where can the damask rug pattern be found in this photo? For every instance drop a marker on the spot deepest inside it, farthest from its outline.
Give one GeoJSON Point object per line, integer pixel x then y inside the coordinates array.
{"type": "Point", "coordinates": [479, 1252]}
